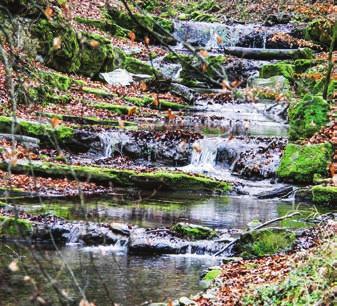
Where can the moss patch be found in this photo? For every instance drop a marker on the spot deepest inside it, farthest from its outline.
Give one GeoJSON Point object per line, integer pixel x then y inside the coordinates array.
{"type": "Point", "coordinates": [299, 164]}
{"type": "Point", "coordinates": [163, 104]}
{"type": "Point", "coordinates": [11, 227]}
{"type": "Point", "coordinates": [307, 117]}
{"type": "Point", "coordinates": [115, 108]}
{"type": "Point", "coordinates": [270, 70]}
{"type": "Point", "coordinates": [165, 180]}
{"type": "Point", "coordinates": [212, 275]}
{"type": "Point", "coordinates": [325, 195]}
{"type": "Point", "coordinates": [44, 132]}
{"type": "Point", "coordinates": [193, 231]}
{"type": "Point", "coordinates": [265, 242]}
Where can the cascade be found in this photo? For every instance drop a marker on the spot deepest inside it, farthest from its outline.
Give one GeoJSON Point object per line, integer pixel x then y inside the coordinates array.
{"type": "Point", "coordinates": [112, 141]}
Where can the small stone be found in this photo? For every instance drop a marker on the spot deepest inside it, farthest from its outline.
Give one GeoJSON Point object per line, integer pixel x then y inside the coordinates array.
{"type": "Point", "coordinates": [184, 301]}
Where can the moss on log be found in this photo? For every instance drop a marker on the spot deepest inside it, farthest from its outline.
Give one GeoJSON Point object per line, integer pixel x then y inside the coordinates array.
{"type": "Point", "coordinates": [45, 132]}
{"type": "Point", "coordinates": [161, 180]}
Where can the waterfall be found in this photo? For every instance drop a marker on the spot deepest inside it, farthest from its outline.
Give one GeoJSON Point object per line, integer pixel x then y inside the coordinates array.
{"type": "Point", "coordinates": [217, 35]}
{"type": "Point", "coordinates": [204, 154]}
{"type": "Point", "coordinates": [112, 142]}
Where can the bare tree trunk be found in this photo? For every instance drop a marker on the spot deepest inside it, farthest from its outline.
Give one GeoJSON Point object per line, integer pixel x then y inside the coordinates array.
{"type": "Point", "coordinates": [330, 61]}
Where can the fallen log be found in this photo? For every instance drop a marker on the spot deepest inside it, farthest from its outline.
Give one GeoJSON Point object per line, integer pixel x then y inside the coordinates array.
{"type": "Point", "coordinates": [269, 54]}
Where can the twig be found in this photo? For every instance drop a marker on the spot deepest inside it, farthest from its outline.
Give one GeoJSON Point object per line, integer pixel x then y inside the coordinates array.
{"type": "Point", "coordinates": [255, 229]}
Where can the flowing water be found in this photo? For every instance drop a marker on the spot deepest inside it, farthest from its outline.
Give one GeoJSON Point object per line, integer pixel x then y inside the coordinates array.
{"type": "Point", "coordinates": [244, 131]}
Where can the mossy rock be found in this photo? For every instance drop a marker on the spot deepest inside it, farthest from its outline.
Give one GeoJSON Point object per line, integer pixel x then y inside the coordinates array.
{"type": "Point", "coordinates": [66, 56]}
{"type": "Point", "coordinates": [265, 242]}
{"type": "Point", "coordinates": [193, 231]}
{"type": "Point", "coordinates": [63, 135]}
{"type": "Point", "coordinates": [164, 180]}
{"type": "Point", "coordinates": [11, 227]}
{"type": "Point", "coordinates": [307, 117]}
{"type": "Point", "coordinates": [163, 104]}
{"type": "Point", "coordinates": [137, 66]}
{"type": "Point", "coordinates": [299, 163]}
{"type": "Point", "coordinates": [56, 80]}
{"type": "Point", "coordinates": [320, 31]}
{"type": "Point", "coordinates": [284, 69]}
{"type": "Point", "coordinates": [212, 275]}
{"type": "Point", "coordinates": [325, 195]}
{"type": "Point", "coordinates": [148, 23]}
{"type": "Point", "coordinates": [302, 65]}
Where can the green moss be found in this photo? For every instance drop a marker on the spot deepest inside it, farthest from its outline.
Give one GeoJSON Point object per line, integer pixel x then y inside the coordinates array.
{"type": "Point", "coordinates": [299, 164]}
{"type": "Point", "coordinates": [54, 210]}
{"type": "Point", "coordinates": [136, 66]}
{"type": "Point", "coordinates": [98, 92]}
{"type": "Point", "coordinates": [115, 108]}
{"type": "Point", "coordinates": [320, 32]}
{"type": "Point", "coordinates": [301, 65]}
{"type": "Point", "coordinates": [87, 120]}
{"type": "Point", "coordinates": [265, 242]}
{"type": "Point", "coordinates": [307, 117]}
{"type": "Point", "coordinates": [325, 194]}
{"type": "Point", "coordinates": [165, 180]}
{"type": "Point", "coordinates": [163, 104]}
{"type": "Point", "coordinates": [66, 57]}
{"type": "Point", "coordinates": [212, 275]}
{"type": "Point", "coordinates": [270, 70]}
{"type": "Point", "coordinates": [11, 227]}
{"type": "Point", "coordinates": [193, 231]}
{"type": "Point", "coordinates": [309, 282]}
{"type": "Point", "coordinates": [56, 80]}
{"type": "Point", "coordinates": [34, 129]}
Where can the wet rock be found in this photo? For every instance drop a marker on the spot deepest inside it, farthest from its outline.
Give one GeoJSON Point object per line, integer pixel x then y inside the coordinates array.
{"type": "Point", "coordinates": [193, 231]}
{"type": "Point", "coordinates": [274, 19]}
{"type": "Point", "coordinates": [278, 192]}
{"type": "Point", "coordinates": [183, 91]}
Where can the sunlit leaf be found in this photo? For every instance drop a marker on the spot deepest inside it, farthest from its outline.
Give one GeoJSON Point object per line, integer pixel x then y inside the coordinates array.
{"type": "Point", "coordinates": [49, 12]}
{"type": "Point", "coordinates": [94, 43]}
{"type": "Point", "coordinates": [132, 110]}
{"type": "Point", "coordinates": [55, 122]}
{"type": "Point", "coordinates": [13, 266]}
{"type": "Point", "coordinates": [132, 36]}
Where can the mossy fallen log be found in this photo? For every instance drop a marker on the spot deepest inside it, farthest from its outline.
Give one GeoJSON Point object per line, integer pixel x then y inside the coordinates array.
{"type": "Point", "coordinates": [61, 135]}
{"type": "Point", "coordinates": [115, 108]}
{"type": "Point", "coordinates": [159, 180]}
{"type": "Point", "coordinates": [86, 120]}
{"type": "Point", "coordinates": [269, 54]}
{"type": "Point", "coordinates": [149, 101]}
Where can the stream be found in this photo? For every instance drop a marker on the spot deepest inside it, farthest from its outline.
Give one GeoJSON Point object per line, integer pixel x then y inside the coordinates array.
{"type": "Point", "coordinates": [239, 142]}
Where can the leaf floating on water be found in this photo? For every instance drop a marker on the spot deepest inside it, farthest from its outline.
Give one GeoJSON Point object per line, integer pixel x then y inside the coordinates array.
{"type": "Point", "coordinates": [57, 43]}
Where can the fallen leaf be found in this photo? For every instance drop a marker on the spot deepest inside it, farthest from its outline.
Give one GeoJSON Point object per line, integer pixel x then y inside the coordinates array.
{"type": "Point", "coordinates": [132, 110]}
{"type": "Point", "coordinates": [94, 43]}
{"type": "Point", "coordinates": [55, 122]}
{"type": "Point", "coordinates": [49, 12]}
{"type": "Point", "coordinates": [132, 36]}
{"type": "Point", "coordinates": [13, 266]}
{"type": "Point", "coordinates": [57, 43]}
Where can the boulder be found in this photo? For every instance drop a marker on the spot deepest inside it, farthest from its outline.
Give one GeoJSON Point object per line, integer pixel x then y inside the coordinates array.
{"type": "Point", "coordinates": [193, 231]}
{"type": "Point", "coordinates": [299, 163]}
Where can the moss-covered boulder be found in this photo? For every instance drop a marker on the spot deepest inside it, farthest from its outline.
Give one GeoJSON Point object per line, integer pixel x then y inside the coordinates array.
{"type": "Point", "coordinates": [45, 132]}
{"type": "Point", "coordinates": [150, 180]}
{"type": "Point", "coordinates": [193, 231]}
{"type": "Point", "coordinates": [320, 31]}
{"type": "Point", "coordinates": [14, 228]}
{"type": "Point", "coordinates": [284, 69]}
{"type": "Point", "coordinates": [59, 44]}
{"type": "Point", "coordinates": [307, 116]}
{"type": "Point", "coordinates": [299, 163]}
{"type": "Point", "coordinates": [85, 53]}
{"type": "Point", "coordinates": [325, 194]}
{"type": "Point", "coordinates": [265, 242]}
